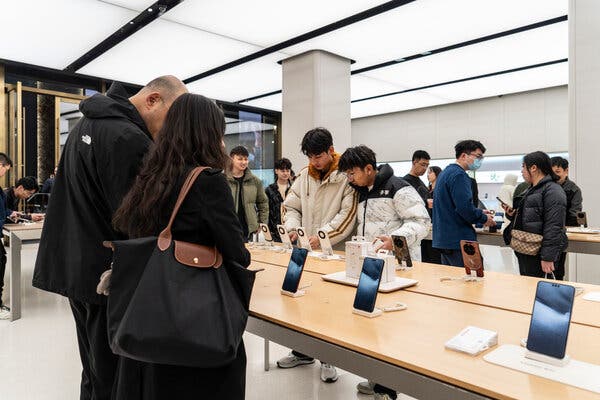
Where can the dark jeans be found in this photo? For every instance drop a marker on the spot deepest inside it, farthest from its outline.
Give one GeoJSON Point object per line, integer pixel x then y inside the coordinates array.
{"type": "Point", "coordinates": [452, 257]}
{"type": "Point", "coordinates": [429, 254]}
{"type": "Point", "coordinates": [532, 266]}
{"type": "Point", "coordinates": [2, 268]}
{"type": "Point", "coordinates": [98, 361]}
{"type": "Point", "coordinates": [383, 390]}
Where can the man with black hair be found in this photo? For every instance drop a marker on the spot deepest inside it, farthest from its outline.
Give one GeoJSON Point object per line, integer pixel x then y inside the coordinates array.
{"type": "Point", "coordinates": [5, 213]}
{"type": "Point", "coordinates": [276, 193]}
{"type": "Point", "coordinates": [23, 189]}
{"type": "Point", "coordinates": [453, 211]}
{"type": "Point", "coordinates": [319, 199]}
{"type": "Point", "coordinates": [420, 163]}
{"type": "Point", "coordinates": [387, 206]}
{"type": "Point", "coordinates": [98, 166]}
{"type": "Point", "coordinates": [560, 166]}
{"type": "Point", "coordinates": [251, 203]}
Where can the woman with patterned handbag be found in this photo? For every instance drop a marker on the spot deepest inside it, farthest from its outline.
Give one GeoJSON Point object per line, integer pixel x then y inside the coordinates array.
{"type": "Point", "coordinates": [192, 136]}
{"type": "Point", "coordinates": [537, 229]}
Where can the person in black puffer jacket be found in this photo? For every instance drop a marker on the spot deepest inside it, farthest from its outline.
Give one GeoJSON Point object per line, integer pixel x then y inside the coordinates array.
{"type": "Point", "coordinates": [542, 211]}
{"type": "Point", "coordinates": [276, 193]}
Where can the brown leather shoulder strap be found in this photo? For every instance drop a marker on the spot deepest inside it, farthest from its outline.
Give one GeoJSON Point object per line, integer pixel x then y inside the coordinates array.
{"type": "Point", "coordinates": [164, 238]}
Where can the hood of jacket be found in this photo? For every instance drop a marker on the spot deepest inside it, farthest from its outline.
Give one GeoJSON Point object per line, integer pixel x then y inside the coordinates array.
{"type": "Point", "coordinates": [510, 180]}
{"type": "Point", "coordinates": [115, 104]}
{"type": "Point", "coordinates": [316, 174]}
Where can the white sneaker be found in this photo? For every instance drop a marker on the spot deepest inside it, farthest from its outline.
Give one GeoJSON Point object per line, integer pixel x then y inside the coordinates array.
{"type": "Point", "coordinates": [4, 312]}
{"type": "Point", "coordinates": [328, 373]}
{"type": "Point", "coordinates": [292, 360]}
{"type": "Point", "coordinates": [381, 397]}
{"type": "Point", "coordinates": [366, 387]}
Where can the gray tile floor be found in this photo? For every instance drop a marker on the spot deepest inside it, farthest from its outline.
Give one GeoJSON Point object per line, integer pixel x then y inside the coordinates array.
{"type": "Point", "coordinates": [39, 358]}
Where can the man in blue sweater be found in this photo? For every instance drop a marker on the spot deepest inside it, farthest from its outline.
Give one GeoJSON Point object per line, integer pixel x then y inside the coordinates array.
{"type": "Point", "coordinates": [453, 211]}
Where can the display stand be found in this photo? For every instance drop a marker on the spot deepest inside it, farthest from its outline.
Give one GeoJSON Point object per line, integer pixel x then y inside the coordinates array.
{"type": "Point", "coordinates": [376, 313]}
{"type": "Point", "coordinates": [559, 362]}
{"type": "Point", "coordinates": [575, 373]}
{"type": "Point", "coordinates": [298, 293]}
{"type": "Point", "coordinates": [397, 284]}
{"type": "Point", "coordinates": [466, 278]}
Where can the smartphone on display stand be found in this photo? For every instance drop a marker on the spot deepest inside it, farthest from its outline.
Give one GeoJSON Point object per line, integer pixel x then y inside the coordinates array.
{"type": "Point", "coordinates": [368, 284]}
{"type": "Point", "coordinates": [550, 319]}
{"type": "Point", "coordinates": [285, 236]}
{"type": "Point", "coordinates": [401, 251]}
{"type": "Point", "coordinates": [326, 246]}
{"type": "Point", "coordinates": [582, 219]}
{"type": "Point", "coordinates": [472, 257]}
{"type": "Point", "coordinates": [294, 270]}
{"type": "Point", "coordinates": [264, 228]}
{"type": "Point", "coordinates": [303, 239]}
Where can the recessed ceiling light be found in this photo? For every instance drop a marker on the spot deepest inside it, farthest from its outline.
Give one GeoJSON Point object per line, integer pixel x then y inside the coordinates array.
{"type": "Point", "coordinates": [150, 10]}
{"type": "Point", "coordinates": [425, 53]}
{"type": "Point", "coordinates": [399, 59]}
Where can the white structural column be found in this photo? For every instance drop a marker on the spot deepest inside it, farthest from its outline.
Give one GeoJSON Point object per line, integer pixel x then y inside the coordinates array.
{"type": "Point", "coordinates": [316, 92]}
{"type": "Point", "coordinates": [584, 117]}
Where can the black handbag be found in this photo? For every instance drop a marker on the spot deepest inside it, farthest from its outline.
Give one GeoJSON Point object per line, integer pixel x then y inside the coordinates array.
{"type": "Point", "coordinates": [174, 302]}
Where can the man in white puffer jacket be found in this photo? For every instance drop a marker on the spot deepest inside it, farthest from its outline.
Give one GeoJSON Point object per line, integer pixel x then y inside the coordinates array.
{"type": "Point", "coordinates": [388, 205]}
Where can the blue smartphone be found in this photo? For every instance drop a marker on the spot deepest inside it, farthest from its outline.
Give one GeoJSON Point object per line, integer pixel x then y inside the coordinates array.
{"type": "Point", "coordinates": [550, 319]}
{"type": "Point", "coordinates": [368, 284]}
{"type": "Point", "coordinates": [294, 270]}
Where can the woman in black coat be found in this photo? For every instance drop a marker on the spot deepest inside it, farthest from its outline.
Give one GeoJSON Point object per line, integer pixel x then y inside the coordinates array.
{"type": "Point", "coordinates": [276, 193]}
{"type": "Point", "coordinates": [542, 211]}
{"type": "Point", "coordinates": [192, 136]}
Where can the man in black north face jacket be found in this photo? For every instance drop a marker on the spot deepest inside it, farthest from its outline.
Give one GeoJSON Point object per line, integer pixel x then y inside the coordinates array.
{"type": "Point", "coordinates": [98, 165]}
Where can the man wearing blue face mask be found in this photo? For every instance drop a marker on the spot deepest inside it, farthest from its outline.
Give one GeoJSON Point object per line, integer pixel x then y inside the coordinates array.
{"type": "Point", "coordinates": [453, 211]}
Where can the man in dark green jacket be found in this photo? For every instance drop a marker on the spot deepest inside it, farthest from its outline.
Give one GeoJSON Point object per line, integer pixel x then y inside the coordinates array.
{"type": "Point", "coordinates": [251, 203]}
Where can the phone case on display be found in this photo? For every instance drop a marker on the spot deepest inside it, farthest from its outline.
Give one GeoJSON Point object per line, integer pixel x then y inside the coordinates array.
{"type": "Point", "coordinates": [472, 257]}
{"type": "Point", "coordinates": [303, 239]}
{"type": "Point", "coordinates": [264, 228]}
{"type": "Point", "coordinates": [402, 251]}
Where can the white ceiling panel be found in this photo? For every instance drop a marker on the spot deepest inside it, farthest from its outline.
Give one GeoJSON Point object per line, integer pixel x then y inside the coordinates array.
{"type": "Point", "coordinates": [247, 80]}
{"type": "Point", "coordinates": [56, 33]}
{"type": "Point", "coordinates": [526, 48]}
{"type": "Point", "coordinates": [536, 78]}
{"type": "Point", "coordinates": [429, 24]}
{"type": "Point", "coordinates": [362, 85]}
{"type": "Point", "coordinates": [164, 47]}
{"type": "Point", "coordinates": [264, 22]}
{"type": "Point", "coordinates": [273, 102]}
{"type": "Point", "coordinates": [531, 79]}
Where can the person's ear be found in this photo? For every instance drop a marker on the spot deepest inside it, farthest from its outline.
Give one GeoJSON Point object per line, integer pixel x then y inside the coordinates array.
{"type": "Point", "coordinates": [331, 150]}
{"type": "Point", "coordinates": [152, 99]}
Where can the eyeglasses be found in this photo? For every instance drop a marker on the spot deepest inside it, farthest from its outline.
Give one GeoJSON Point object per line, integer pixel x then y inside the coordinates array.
{"type": "Point", "coordinates": [477, 155]}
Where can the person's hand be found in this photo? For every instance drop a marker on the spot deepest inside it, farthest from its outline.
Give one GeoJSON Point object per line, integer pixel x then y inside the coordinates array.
{"type": "Point", "coordinates": [314, 242]}
{"type": "Point", "coordinates": [490, 221]}
{"type": "Point", "coordinates": [508, 210]}
{"type": "Point", "coordinates": [14, 216]}
{"type": "Point", "coordinates": [293, 236]}
{"type": "Point", "coordinates": [429, 203]}
{"type": "Point", "coordinates": [36, 217]}
{"type": "Point", "coordinates": [387, 243]}
{"type": "Point", "coordinates": [104, 284]}
{"type": "Point", "coordinates": [547, 266]}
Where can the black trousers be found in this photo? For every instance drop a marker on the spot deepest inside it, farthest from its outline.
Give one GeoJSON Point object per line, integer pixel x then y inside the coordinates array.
{"type": "Point", "coordinates": [98, 361]}
{"type": "Point", "coordinates": [531, 266]}
{"type": "Point", "coordinates": [429, 254]}
{"type": "Point", "coordinates": [2, 268]}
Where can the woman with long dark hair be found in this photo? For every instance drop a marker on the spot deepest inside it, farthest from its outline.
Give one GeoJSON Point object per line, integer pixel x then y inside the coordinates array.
{"type": "Point", "coordinates": [192, 136]}
{"type": "Point", "coordinates": [542, 211]}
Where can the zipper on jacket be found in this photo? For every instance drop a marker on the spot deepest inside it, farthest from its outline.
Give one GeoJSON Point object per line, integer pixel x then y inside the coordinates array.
{"type": "Point", "coordinates": [365, 215]}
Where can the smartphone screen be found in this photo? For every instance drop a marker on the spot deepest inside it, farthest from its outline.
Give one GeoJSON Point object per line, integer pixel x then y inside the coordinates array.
{"type": "Point", "coordinates": [550, 319]}
{"type": "Point", "coordinates": [472, 258]}
{"type": "Point", "coordinates": [501, 202]}
{"type": "Point", "coordinates": [303, 239]}
{"type": "Point", "coordinates": [401, 250]}
{"type": "Point", "coordinates": [266, 232]}
{"type": "Point", "coordinates": [368, 284]}
{"type": "Point", "coordinates": [283, 234]}
{"type": "Point", "coordinates": [326, 247]}
{"type": "Point", "coordinates": [294, 270]}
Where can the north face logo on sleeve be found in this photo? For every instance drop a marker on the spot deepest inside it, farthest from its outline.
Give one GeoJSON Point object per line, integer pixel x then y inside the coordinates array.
{"type": "Point", "coordinates": [86, 139]}
{"type": "Point", "coordinates": [384, 192]}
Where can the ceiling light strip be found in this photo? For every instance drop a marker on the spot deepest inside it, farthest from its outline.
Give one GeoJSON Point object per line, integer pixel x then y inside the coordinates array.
{"type": "Point", "coordinates": [508, 71]}
{"type": "Point", "coordinates": [150, 14]}
{"type": "Point", "coordinates": [380, 9]}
